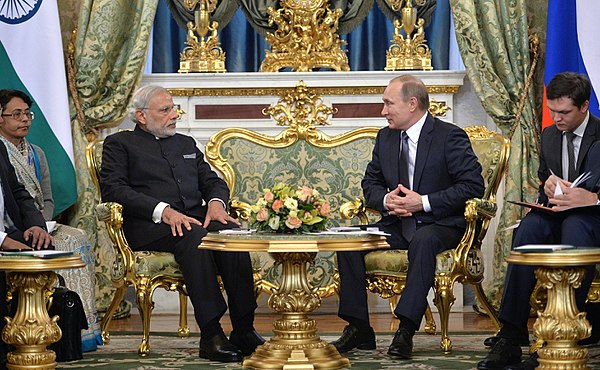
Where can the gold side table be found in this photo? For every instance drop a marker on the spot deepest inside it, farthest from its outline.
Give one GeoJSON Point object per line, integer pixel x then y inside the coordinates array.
{"type": "Point", "coordinates": [295, 344]}
{"type": "Point", "coordinates": [31, 330]}
{"type": "Point", "coordinates": [561, 325]}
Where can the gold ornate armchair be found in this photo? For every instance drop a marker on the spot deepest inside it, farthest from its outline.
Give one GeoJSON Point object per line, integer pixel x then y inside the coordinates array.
{"type": "Point", "coordinates": [386, 270]}
{"type": "Point", "coordinates": [146, 271]}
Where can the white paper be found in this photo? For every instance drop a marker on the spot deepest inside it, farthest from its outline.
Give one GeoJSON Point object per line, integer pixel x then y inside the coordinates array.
{"type": "Point", "coordinates": [236, 231]}
{"type": "Point", "coordinates": [50, 226]}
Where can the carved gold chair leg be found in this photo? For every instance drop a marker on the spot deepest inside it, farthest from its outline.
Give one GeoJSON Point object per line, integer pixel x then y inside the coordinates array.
{"type": "Point", "coordinates": [184, 329]}
{"type": "Point", "coordinates": [393, 301]}
{"type": "Point", "coordinates": [443, 300]}
{"type": "Point", "coordinates": [144, 292]}
{"type": "Point", "coordinates": [480, 294]}
{"type": "Point", "coordinates": [106, 319]}
{"type": "Point", "coordinates": [429, 322]}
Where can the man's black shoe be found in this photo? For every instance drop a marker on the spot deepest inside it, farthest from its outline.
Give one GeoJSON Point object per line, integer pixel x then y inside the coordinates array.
{"type": "Point", "coordinates": [353, 338]}
{"type": "Point", "coordinates": [218, 348]}
{"type": "Point", "coordinates": [247, 342]}
{"type": "Point", "coordinates": [402, 344]}
{"type": "Point", "coordinates": [490, 341]}
{"type": "Point", "coordinates": [529, 364]}
{"type": "Point", "coordinates": [503, 353]}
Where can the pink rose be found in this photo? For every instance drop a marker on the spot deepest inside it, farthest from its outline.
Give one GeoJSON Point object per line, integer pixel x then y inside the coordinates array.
{"type": "Point", "coordinates": [269, 196]}
{"type": "Point", "coordinates": [304, 193]}
{"type": "Point", "coordinates": [293, 222]}
{"type": "Point", "coordinates": [324, 209]}
{"type": "Point", "coordinates": [277, 205]}
{"type": "Point", "coordinates": [262, 215]}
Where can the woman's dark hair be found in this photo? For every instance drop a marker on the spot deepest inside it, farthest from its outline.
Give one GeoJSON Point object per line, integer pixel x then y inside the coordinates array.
{"type": "Point", "coordinates": [7, 95]}
{"type": "Point", "coordinates": [569, 85]}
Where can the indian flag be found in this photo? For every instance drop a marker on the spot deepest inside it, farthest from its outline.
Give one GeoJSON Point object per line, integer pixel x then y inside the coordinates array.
{"type": "Point", "coordinates": [31, 60]}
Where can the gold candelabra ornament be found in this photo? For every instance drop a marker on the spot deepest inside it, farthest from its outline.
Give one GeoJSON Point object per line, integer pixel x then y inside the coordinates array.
{"type": "Point", "coordinates": [408, 51]}
{"type": "Point", "coordinates": [306, 37]}
{"type": "Point", "coordinates": [203, 52]}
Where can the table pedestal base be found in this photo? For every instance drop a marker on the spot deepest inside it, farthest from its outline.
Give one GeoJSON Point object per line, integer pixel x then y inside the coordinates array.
{"type": "Point", "coordinates": [295, 344]}
{"type": "Point", "coordinates": [561, 324]}
{"type": "Point", "coordinates": [31, 329]}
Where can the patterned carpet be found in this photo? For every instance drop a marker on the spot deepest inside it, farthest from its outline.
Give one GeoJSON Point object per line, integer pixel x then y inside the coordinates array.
{"type": "Point", "coordinates": [170, 352]}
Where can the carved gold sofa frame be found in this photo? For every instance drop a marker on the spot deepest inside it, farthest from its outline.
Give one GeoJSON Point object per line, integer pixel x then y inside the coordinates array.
{"type": "Point", "coordinates": [386, 270]}
{"type": "Point", "coordinates": [145, 271]}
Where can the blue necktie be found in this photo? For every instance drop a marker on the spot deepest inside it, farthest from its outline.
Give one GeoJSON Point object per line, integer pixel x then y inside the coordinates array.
{"type": "Point", "coordinates": [409, 224]}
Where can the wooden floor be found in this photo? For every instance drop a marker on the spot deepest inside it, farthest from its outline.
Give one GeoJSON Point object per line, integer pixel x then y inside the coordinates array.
{"type": "Point", "coordinates": [326, 323]}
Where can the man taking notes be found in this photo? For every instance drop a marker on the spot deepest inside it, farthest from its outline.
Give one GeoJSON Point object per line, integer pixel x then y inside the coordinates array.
{"type": "Point", "coordinates": [568, 150]}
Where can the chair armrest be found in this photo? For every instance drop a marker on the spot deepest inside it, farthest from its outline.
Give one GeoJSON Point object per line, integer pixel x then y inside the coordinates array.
{"type": "Point", "coordinates": [480, 209]}
{"type": "Point", "coordinates": [239, 210]}
{"type": "Point", "coordinates": [112, 215]}
{"type": "Point", "coordinates": [355, 208]}
{"type": "Point", "coordinates": [476, 209]}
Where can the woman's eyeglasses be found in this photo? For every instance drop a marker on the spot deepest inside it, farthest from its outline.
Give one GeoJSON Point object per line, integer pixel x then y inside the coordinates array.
{"type": "Point", "coordinates": [19, 114]}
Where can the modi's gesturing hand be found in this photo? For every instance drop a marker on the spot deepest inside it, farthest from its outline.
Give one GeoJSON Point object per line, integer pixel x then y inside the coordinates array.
{"type": "Point", "coordinates": [217, 212]}
{"type": "Point", "coordinates": [178, 221]}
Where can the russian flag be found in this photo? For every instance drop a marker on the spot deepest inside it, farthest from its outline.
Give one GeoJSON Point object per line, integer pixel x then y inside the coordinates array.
{"type": "Point", "coordinates": [572, 45]}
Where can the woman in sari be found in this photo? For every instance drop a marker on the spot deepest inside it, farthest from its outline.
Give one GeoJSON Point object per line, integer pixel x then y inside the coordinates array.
{"type": "Point", "coordinates": [32, 171]}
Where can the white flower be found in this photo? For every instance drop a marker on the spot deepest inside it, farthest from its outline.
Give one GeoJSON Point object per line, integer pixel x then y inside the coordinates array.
{"type": "Point", "coordinates": [290, 203]}
{"type": "Point", "coordinates": [274, 222]}
{"type": "Point", "coordinates": [262, 203]}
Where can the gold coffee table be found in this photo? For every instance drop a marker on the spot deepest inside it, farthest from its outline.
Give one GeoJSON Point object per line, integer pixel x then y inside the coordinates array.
{"type": "Point", "coordinates": [31, 330]}
{"type": "Point", "coordinates": [295, 344]}
{"type": "Point", "coordinates": [561, 325]}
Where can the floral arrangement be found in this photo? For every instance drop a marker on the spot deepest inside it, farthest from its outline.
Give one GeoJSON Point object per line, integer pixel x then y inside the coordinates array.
{"type": "Point", "coordinates": [285, 209]}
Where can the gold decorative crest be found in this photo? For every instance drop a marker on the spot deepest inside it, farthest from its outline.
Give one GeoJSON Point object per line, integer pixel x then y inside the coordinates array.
{"type": "Point", "coordinates": [202, 53]}
{"type": "Point", "coordinates": [306, 37]}
{"type": "Point", "coordinates": [410, 51]}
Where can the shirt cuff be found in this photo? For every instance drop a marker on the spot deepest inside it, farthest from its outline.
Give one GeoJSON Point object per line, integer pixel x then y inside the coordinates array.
{"type": "Point", "coordinates": [3, 236]}
{"type": "Point", "coordinates": [219, 200]}
{"type": "Point", "coordinates": [426, 205]}
{"type": "Point", "coordinates": [158, 211]}
{"type": "Point", "coordinates": [384, 199]}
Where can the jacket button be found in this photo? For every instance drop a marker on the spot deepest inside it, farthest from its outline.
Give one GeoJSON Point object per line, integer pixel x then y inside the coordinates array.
{"type": "Point", "coordinates": [178, 181]}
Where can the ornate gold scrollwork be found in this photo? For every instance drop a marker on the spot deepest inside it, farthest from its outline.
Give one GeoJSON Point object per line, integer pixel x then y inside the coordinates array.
{"type": "Point", "coordinates": [410, 51]}
{"type": "Point", "coordinates": [302, 110]}
{"type": "Point", "coordinates": [306, 37]}
{"type": "Point", "coordinates": [202, 53]}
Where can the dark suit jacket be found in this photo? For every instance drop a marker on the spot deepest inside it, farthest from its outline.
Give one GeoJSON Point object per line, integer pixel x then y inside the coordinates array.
{"type": "Point", "coordinates": [18, 203]}
{"type": "Point", "coordinates": [446, 169]}
{"type": "Point", "coordinates": [551, 152]}
{"type": "Point", "coordinates": [139, 171]}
